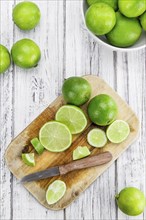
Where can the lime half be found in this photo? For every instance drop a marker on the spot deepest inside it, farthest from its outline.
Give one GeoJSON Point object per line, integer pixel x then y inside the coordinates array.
{"type": "Point", "coordinates": [97, 138]}
{"type": "Point", "coordinates": [118, 131]}
{"type": "Point", "coordinates": [80, 152]}
{"type": "Point", "coordinates": [37, 145]}
{"type": "Point", "coordinates": [28, 159]}
{"type": "Point", "coordinates": [55, 136]}
{"type": "Point", "coordinates": [55, 191]}
{"type": "Point", "coordinates": [73, 117]}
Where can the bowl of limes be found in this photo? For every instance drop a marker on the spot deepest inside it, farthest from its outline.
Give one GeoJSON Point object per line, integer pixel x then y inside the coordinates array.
{"type": "Point", "coordinates": [117, 24]}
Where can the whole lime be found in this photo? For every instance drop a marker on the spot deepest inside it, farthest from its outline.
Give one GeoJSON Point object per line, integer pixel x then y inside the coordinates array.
{"type": "Point", "coordinates": [102, 110]}
{"type": "Point", "coordinates": [126, 31]}
{"type": "Point", "coordinates": [26, 15]}
{"type": "Point", "coordinates": [132, 8]}
{"type": "Point", "coordinates": [143, 20]}
{"type": "Point", "coordinates": [76, 90]}
{"type": "Point", "coordinates": [26, 53]}
{"type": "Point", "coordinates": [100, 18]}
{"type": "Point", "coordinates": [131, 201]}
{"type": "Point", "coordinates": [5, 59]}
{"type": "Point", "coordinates": [112, 3]}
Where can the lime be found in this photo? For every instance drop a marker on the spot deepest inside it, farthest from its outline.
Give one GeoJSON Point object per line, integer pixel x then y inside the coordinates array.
{"type": "Point", "coordinates": [112, 3]}
{"type": "Point", "coordinates": [76, 90]}
{"type": "Point", "coordinates": [5, 59]}
{"type": "Point", "coordinates": [102, 110]}
{"type": "Point", "coordinates": [143, 20]}
{"type": "Point", "coordinates": [28, 159]}
{"type": "Point", "coordinates": [37, 145]}
{"type": "Point", "coordinates": [26, 15]}
{"type": "Point", "coordinates": [25, 53]}
{"type": "Point", "coordinates": [131, 201]}
{"type": "Point", "coordinates": [132, 8]}
{"type": "Point", "coordinates": [97, 138]}
{"type": "Point", "coordinates": [73, 117]}
{"type": "Point", "coordinates": [55, 136]}
{"type": "Point", "coordinates": [128, 28]}
{"type": "Point", "coordinates": [55, 191]}
{"type": "Point", "coordinates": [81, 152]}
{"type": "Point", "coordinates": [100, 18]}
{"type": "Point", "coordinates": [118, 131]}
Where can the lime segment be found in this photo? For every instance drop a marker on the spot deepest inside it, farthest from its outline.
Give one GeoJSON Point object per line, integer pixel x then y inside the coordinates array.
{"type": "Point", "coordinates": [73, 117]}
{"type": "Point", "coordinates": [55, 191]}
{"type": "Point", "coordinates": [55, 136]}
{"type": "Point", "coordinates": [80, 152]}
{"type": "Point", "coordinates": [97, 138]}
{"type": "Point", "coordinates": [28, 159]}
{"type": "Point", "coordinates": [118, 131]}
{"type": "Point", "coordinates": [37, 145]}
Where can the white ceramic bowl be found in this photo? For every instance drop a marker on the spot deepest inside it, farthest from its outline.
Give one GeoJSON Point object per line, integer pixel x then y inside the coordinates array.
{"type": "Point", "coordinates": [140, 44]}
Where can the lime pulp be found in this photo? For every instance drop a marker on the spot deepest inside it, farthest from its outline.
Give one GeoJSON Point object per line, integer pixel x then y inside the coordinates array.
{"type": "Point", "coordinates": [28, 159]}
{"type": "Point", "coordinates": [97, 138]}
{"type": "Point", "coordinates": [81, 152]}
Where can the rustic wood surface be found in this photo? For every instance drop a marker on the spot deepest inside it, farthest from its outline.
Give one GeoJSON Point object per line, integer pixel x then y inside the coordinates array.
{"type": "Point", "coordinates": [76, 181]}
{"type": "Point", "coordinates": [67, 49]}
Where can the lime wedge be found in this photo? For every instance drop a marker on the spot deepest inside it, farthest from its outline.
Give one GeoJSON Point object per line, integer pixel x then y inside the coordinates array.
{"type": "Point", "coordinates": [80, 152]}
{"type": "Point", "coordinates": [37, 145]}
{"type": "Point", "coordinates": [73, 117]}
{"type": "Point", "coordinates": [28, 159]}
{"type": "Point", "coordinates": [55, 136]}
{"type": "Point", "coordinates": [55, 191]}
{"type": "Point", "coordinates": [97, 138]}
{"type": "Point", "coordinates": [118, 131]}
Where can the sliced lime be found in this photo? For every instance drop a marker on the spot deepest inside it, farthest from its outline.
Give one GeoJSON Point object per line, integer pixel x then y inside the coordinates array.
{"type": "Point", "coordinates": [97, 138]}
{"type": "Point", "coordinates": [37, 145]}
{"type": "Point", "coordinates": [55, 191]}
{"type": "Point", "coordinates": [118, 131]}
{"type": "Point", "coordinates": [28, 159]}
{"type": "Point", "coordinates": [80, 152]}
{"type": "Point", "coordinates": [73, 117]}
{"type": "Point", "coordinates": [55, 136]}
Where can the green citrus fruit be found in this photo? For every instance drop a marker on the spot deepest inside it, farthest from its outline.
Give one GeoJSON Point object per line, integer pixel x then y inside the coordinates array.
{"type": "Point", "coordinates": [100, 18]}
{"type": "Point", "coordinates": [5, 59]}
{"type": "Point", "coordinates": [131, 201]}
{"type": "Point", "coordinates": [76, 90]}
{"type": "Point", "coordinates": [102, 110]}
{"type": "Point", "coordinates": [26, 15]}
{"type": "Point", "coordinates": [129, 28]}
{"type": "Point", "coordinates": [132, 8]}
{"type": "Point", "coordinates": [97, 138]}
{"type": "Point", "coordinates": [37, 145]}
{"type": "Point", "coordinates": [112, 3]}
{"type": "Point", "coordinates": [143, 20]}
{"type": "Point", "coordinates": [81, 152]}
{"type": "Point", "coordinates": [28, 159]}
{"type": "Point", "coordinates": [26, 53]}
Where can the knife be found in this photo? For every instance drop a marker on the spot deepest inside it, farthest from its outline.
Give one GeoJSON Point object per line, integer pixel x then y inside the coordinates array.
{"type": "Point", "coordinates": [87, 162]}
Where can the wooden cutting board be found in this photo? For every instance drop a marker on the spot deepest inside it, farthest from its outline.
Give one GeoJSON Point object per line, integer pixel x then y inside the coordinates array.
{"type": "Point", "coordinates": [76, 181]}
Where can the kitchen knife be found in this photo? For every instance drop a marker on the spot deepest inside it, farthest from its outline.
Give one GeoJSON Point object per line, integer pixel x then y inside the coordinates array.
{"type": "Point", "coordinates": [87, 162]}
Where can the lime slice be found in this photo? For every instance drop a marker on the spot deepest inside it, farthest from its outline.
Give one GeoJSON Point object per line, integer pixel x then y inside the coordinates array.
{"type": "Point", "coordinates": [73, 117]}
{"type": "Point", "coordinates": [37, 145]}
{"type": "Point", "coordinates": [97, 138]}
{"type": "Point", "coordinates": [55, 136]}
{"type": "Point", "coordinates": [55, 191]}
{"type": "Point", "coordinates": [80, 152]}
{"type": "Point", "coordinates": [28, 159]}
{"type": "Point", "coordinates": [118, 131]}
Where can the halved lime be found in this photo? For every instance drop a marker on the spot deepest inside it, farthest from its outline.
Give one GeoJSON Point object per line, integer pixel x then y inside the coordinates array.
{"type": "Point", "coordinates": [81, 152]}
{"type": "Point", "coordinates": [55, 191]}
{"type": "Point", "coordinates": [28, 159]}
{"type": "Point", "coordinates": [118, 131]}
{"type": "Point", "coordinates": [97, 138]}
{"type": "Point", "coordinates": [55, 136]}
{"type": "Point", "coordinates": [73, 117]}
{"type": "Point", "coordinates": [37, 145]}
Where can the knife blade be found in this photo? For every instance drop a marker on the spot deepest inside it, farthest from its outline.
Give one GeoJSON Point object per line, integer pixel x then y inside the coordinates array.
{"type": "Point", "coordinates": [87, 162]}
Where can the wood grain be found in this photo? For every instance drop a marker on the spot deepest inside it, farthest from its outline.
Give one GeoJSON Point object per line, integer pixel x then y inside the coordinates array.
{"type": "Point", "coordinates": [76, 181]}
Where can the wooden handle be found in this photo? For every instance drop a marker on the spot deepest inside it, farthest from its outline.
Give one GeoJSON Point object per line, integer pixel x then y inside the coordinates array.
{"type": "Point", "coordinates": [86, 162]}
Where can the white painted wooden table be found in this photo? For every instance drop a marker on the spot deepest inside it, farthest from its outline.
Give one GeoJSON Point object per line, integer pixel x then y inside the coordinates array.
{"type": "Point", "coordinates": [67, 50]}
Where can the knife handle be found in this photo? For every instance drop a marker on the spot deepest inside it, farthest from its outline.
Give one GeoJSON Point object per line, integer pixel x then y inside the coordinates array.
{"type": "Point", "coordinates": [90, 161]}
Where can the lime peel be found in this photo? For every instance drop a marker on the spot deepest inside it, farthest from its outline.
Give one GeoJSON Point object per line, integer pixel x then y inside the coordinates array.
{"type": "Point", "coordinates": [37, 145]}
{"type": "Point", "coordinates": [28, 159]}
